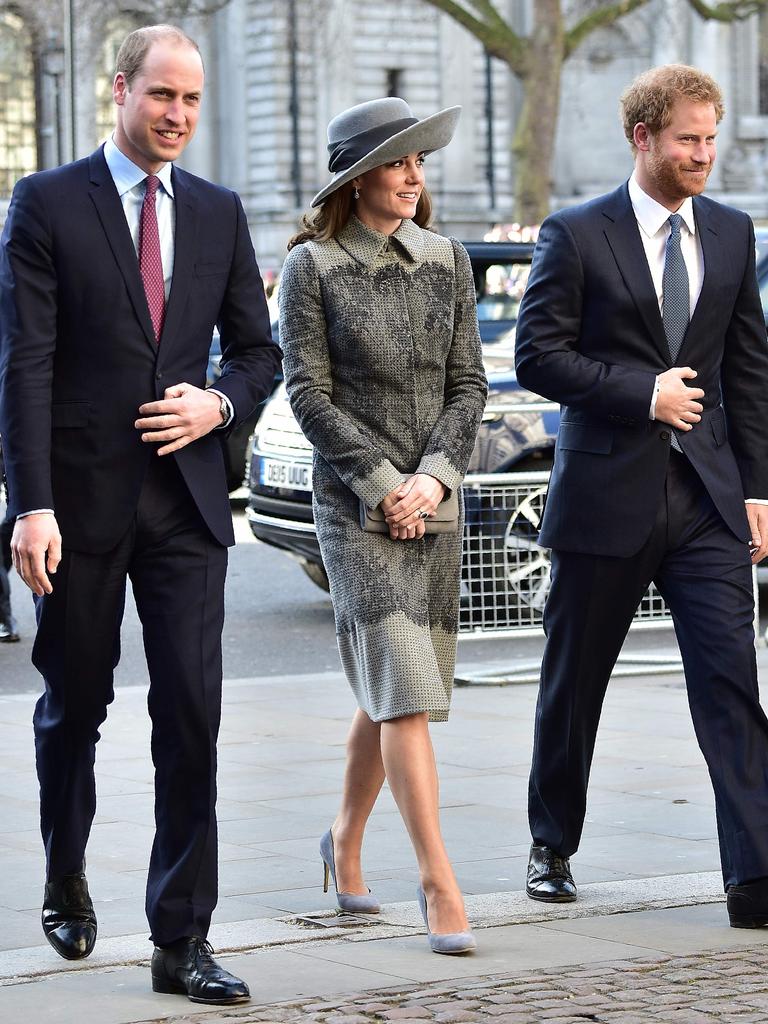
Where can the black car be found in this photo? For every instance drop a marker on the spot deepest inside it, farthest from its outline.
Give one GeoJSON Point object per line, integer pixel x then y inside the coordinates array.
{"type": "Point", "coordinates": [517, 431]}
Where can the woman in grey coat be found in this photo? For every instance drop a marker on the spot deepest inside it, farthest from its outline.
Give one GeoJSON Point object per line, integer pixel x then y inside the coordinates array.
{"type": "Point", "coordinates": [384, 372]}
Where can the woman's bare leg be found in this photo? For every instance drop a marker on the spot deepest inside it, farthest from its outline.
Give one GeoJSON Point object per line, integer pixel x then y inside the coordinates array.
{"type": "Point", "coordinates": [363, 779]}
{"type": "Point", "coordinates": [409, 762]}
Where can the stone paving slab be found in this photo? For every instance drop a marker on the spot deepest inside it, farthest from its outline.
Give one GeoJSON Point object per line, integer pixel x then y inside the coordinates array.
{"type": "Point", "coordinates": [699, 988]}
{"type": "Point", "coordinates": [397, 920]}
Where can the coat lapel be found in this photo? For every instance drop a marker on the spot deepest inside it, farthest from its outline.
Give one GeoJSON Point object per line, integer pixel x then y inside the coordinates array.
{"type": "Point", "coordinates": [713, 272]}
{"type": "Point", "coordinates": [112, 217]}
{"type": "Point", "coordinates": [623, 235]}
{"type": "Point", "coordinates": [184, 249]}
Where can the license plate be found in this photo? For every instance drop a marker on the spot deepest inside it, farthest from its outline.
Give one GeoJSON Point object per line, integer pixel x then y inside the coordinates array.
{"type": "Point", "coordinates": [296, 476]}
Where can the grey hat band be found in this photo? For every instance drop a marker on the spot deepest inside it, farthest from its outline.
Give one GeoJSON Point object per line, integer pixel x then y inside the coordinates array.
{"type": "Point", "coordinates": [347, 152]}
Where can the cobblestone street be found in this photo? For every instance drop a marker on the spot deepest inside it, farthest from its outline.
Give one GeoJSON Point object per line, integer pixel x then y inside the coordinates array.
{"type": "Point", "coordinates": [714, 986]}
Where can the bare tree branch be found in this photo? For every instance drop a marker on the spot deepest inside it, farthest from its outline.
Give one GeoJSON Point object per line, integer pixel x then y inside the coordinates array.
{"type": "Point", "coordinates": [499, 38]}
{"type": "Point", "coordinates": [602, 17]}
{"type": "Point", "coordinates": [738, 10]}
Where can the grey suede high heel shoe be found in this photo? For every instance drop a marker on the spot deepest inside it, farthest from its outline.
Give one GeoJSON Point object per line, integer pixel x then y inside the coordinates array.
{"type": "Point", "coordinates": [346, 900]}
{"type": "Point", "coordinates": [451, 942]}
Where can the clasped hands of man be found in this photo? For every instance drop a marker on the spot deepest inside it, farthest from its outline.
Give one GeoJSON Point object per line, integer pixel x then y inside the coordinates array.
{"type": "Point", "coordinates": [184, 414]}
{"type": "Point", "coordinates": [679, 405]}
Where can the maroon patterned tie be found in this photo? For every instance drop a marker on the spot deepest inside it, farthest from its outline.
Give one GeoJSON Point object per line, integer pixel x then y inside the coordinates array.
{"type": "Point", "coordinates": [150, 260]}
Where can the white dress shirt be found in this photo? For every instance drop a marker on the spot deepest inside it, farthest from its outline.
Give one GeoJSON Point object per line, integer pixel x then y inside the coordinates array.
{"type": "Point", "coordinates": [653, 221]}
{"type": "Point", "coordinates": [130, 182]}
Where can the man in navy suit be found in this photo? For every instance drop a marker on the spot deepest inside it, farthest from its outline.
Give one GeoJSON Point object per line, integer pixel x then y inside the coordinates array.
{"type": "Point", "coordinates": [642, 319]}
{"type": "Point", "coordinates": [113, 272]}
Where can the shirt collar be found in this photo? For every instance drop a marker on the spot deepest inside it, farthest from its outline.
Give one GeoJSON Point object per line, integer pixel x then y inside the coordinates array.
{"type": "Point", "coordinates": [652, 216]}
{"type": "Point", "coordinates": [365, 244]}
{"type": "Point", "coordinates": [127, 175]}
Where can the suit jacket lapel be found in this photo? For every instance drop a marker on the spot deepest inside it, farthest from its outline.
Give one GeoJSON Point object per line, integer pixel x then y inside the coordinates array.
{"type": "Point", "coordinates": [112, 216]}
{"type": "Point", "coordinates": [713, 272]}
{"type": "Point", "coordinates": [623, 235]}
{"type": "Point", "coordinates": [184, 248]}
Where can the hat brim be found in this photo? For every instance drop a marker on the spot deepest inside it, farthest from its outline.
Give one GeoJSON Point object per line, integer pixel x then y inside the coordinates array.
{"type": "Point", "coordinates": [434, 132]}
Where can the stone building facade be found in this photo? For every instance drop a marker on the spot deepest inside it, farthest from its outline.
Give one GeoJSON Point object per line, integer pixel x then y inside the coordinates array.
{"type": "Point", "coordinates": [278, 70]}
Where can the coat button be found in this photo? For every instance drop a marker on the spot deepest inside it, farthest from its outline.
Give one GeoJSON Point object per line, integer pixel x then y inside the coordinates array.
{"type": "Point", "coordinates": [664, 435]}
{"type": "Point", "coordinates": [158, 376]}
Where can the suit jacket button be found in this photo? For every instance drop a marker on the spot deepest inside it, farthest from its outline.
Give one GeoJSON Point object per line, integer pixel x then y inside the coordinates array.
{"type": "Point", "coordinates": [158, 376]}
{"type": "Point", "coordinates": [664, 435]}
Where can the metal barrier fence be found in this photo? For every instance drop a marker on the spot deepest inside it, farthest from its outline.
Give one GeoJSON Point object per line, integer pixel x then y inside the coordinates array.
{"type": "Point", "coordinates": [505, 574]}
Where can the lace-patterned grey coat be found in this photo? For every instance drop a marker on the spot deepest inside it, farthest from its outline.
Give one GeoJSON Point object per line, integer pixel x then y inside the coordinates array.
{"type": "Point", "coordinates": [384, 372]}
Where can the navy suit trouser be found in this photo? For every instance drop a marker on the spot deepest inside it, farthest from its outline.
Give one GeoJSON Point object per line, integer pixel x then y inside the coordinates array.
{"type": "Point", "coordinates": [177, 572]}
{"type": "Point", "coordinates": [704, 574]}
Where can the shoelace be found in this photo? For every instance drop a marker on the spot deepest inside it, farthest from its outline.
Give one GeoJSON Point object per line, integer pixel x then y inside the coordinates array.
{"type": "Point", "coordinates": [555, 863]}
{"type": "Point", "coordinates": [204, 949]}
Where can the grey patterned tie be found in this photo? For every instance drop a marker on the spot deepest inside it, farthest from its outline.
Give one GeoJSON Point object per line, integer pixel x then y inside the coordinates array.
{"type": "Point", "coordinates": [676, 296]}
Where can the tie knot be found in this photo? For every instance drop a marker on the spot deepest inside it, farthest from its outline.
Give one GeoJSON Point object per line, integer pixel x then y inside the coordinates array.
{"type": "Point", "coordinates": [675, 220]}
{"type": "Point", "coordinates": [153, 183]}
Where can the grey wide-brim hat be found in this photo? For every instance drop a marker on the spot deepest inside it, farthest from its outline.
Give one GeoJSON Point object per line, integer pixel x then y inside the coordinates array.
{"type": "Point", "coordinates": [374, 133]}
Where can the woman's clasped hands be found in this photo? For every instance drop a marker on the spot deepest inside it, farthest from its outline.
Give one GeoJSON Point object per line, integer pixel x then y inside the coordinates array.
{"type": "Point", "coordinates": [403, 507]}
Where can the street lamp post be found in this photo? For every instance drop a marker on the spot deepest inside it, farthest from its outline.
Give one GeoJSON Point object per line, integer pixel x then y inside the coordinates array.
{"type": "Point", "coordinates": [69, 52]}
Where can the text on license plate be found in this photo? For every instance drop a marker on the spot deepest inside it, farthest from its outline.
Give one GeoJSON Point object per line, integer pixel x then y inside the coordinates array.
{"type": "Point", "coordinates": [295, 475]}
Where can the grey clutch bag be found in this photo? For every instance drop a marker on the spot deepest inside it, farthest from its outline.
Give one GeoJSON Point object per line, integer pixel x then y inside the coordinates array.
{"type": "Point", "coordinates": [445, 520]}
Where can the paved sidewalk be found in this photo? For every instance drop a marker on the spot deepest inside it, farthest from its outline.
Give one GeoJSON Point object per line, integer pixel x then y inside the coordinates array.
{"type": "Point", "coordinates": [650, 920]}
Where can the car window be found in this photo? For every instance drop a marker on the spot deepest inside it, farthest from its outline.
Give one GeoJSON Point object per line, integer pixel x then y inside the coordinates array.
{"type": "Point", "coordinates": [499, 288]}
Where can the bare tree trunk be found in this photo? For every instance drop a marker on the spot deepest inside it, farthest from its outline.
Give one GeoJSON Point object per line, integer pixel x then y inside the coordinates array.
{"type": "Point", "coordinates": [534, 142]}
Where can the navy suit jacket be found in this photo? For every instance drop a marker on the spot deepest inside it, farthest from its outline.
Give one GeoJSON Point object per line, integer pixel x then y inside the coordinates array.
{"type": "Point", "coordinates": [78, 355]}
{"type": "Point", "coordinates": [590, 337]}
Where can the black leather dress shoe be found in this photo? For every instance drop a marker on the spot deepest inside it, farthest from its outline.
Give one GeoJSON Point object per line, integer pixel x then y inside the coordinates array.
{"type": "Point", "coordinates": [748, 904]}
{"type": "Point", "coordinates": [188, 968]}
{"type": "Point", "coordinates": [69, 922]}
{"type": "Point", "coordinates": [549, 876]}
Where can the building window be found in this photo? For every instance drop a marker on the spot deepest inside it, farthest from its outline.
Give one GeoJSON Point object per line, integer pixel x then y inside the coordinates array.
{"type": "Point", "coordinates": [18, 138]}
{"type": "Point", "coordinates": [117, 29]}
{"type": "Point", "coordinates": [394, 81]}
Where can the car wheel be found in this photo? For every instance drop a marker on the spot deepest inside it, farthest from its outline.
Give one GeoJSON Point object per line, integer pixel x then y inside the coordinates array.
{"type": "Point", "coordinates": [526, 566]}
{"type": "Point", "coordinates": [316, 573]}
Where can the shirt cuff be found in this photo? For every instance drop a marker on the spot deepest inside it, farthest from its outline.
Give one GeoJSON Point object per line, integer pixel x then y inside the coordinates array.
{"type": "Point", "coordinates": [652, 410]}
{"type": "Point", "coordinates": [35, 512]}
{"type": "Point", "coordinates": [756, 501]}
{"type": "Point", "coordinates": [228, 404]}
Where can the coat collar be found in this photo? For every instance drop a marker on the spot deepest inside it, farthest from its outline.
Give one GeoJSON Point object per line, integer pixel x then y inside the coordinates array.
{"type": "Point", "coordinates": [110, 210]}
{"type": "Point", "coordinates": [365, 244]}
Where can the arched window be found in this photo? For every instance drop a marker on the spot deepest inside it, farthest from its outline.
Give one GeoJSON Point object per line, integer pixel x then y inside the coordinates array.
{"type": "Point", "coordinates": [116, 30]}
{"type": "Point", "coordinates": [18, 139]}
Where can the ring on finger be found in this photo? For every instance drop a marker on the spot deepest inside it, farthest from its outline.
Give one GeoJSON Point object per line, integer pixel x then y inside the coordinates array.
{"type": "Point", "coordinates": [422, 514]}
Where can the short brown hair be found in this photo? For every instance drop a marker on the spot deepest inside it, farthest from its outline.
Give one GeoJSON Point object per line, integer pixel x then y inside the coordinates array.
{"type": "Point", "coordinates": [650, 98]}
{"type": "Point", "coordinates": [135, 47]}
{"type": "Point", "coordinates": [331, 216]}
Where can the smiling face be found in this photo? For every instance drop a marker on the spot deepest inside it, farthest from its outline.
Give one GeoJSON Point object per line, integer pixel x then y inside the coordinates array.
{"type": "Point", "coordinates": [157, 115]}
{"type": "Point", "coordinates": [675, 162]}
{"type": "Point", "coordinates": [390, 194]}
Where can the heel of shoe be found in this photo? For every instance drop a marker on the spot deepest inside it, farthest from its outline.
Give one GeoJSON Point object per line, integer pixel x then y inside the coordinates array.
{"type": "Point", "coordinates": [748, 920]}
{"type": "Point", "coordinates": [166, 986]}
{"type": "Point", "coordinates": [326, 876]}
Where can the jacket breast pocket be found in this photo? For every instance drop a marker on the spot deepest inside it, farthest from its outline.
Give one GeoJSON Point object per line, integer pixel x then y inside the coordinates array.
{"type": "Point", "coordinates": [67, 415]}
{"type": "Point", "coordinates": [717, 422]}
{"type": "Point", "coordinates": [584, 437]}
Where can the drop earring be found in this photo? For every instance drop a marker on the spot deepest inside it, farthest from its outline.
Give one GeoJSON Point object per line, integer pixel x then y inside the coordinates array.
{"type": "Point", "coordinates": [356, 192]}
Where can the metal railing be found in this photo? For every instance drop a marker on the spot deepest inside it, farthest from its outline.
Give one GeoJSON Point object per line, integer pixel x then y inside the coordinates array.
{"type": "Point", "coordinates": [505, 574]}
